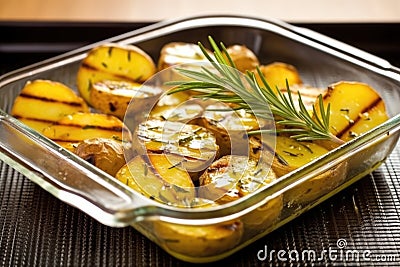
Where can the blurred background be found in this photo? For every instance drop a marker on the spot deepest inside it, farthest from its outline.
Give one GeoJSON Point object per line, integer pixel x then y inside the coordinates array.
{"type": "Point", "coordinates": [155, 10]}
{"type": "Point", "coordinates": [33, 30]}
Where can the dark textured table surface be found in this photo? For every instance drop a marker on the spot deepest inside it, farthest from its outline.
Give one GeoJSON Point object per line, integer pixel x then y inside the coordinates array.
{"type": "Point", "coordinates": [39, 230]}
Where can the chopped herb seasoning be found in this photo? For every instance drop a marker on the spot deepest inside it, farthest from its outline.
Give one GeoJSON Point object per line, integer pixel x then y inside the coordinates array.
{"type": "Point", "coordinates": [308, 148]}
{"type": "Point", "coordinates": [176, 164]}
{"type": "Point", "coordinates": [258, 172]}
{"type": "Point", "coordinates": [110, 49]}
{"type": "Point", "coordinates": [293, 154]}
{"type": "Point", "coordinates": [353, 134]}
{"type": "Point", "coordinates": [146, 169]}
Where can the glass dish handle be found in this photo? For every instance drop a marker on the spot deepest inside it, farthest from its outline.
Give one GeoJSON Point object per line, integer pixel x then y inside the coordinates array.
{"type": "Point", "coordinates": [72, 180]}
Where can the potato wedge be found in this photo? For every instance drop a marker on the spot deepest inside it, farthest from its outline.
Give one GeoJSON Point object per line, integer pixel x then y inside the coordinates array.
{"type": "Point", "coordinates": [155, 177]}
{"type": "Point", "coordinates": [277, 73]}
{"type": "Point", "coordinates": [113, 62]}
{"type": "Point", "coordinates": [81, 126]}
{"type": "Point", "coordinates": [42, 102]}
{"type": "Point", "coordinates": [194, 145]}
{"type": "Point", "coordinates": [113, 97]}
{"type": "Point", "coordinates": [347, 101]}
{"type": "Point", "coordinates": [243, 57]}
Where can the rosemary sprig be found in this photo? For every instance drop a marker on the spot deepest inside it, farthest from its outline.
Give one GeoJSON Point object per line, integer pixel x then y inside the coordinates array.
{"type": "Point", "coordinates": [227, 85]}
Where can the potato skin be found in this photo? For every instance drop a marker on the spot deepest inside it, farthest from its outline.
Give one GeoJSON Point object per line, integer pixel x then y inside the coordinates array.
{"type": "Point", "coordinates": [104, 153]}
{"type": "Point", "coordinates": [243, 57]}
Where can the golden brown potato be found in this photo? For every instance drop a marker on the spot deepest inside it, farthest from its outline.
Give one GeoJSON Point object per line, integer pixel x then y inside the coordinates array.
{"type": "Point", "coordinates": [81, 126]}
{"type": "Point", "coordinates": [367, 120]}
{"type": "Point", "coordinates": [277, 73]}
{"type": "Point", "coordinates": [350, 106]}
{"type": "Point", "coordinates": [104, 153]}
{"type": "Point", "coordinates": [195, 145]}
{"type": "Point", "coordinates": [43, 102]}
{"type": "Point", "coordinates": [243, 57]}
{"type": "Point", "coordinates": [113, 97]}
{"type": "Point", "coordinates": [156, 180]}
{"type": "Point", "coordinates": [113, 62]}
{"type": "Point", "coordinates": [157, 177]}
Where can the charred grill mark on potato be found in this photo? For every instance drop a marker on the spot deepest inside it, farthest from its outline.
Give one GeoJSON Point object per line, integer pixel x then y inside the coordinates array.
{"type": "Point", "coordinates": [32, 119]}
{"type": "Point", "coordinates": [116, 75]}
{"type": "Point", "coordinates": [45, 99]}
{"type": "Point", "coordinates": [359, 117]}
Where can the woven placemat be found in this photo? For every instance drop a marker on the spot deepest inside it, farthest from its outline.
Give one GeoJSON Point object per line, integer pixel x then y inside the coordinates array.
{"type": "Point", "coordinates": [359, 226]}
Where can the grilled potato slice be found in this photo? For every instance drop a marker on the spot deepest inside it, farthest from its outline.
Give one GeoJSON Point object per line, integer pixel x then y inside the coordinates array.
{"type": "Point", "coordinates": [81, 126]}
{"type": "Point", "coordinates": [156, 177]}
{"type": "Point", "coordinates": [113, 97]}
{"type": "Point", "coordinates": [277, 73]}
{"type": "Point", "coordinates": [350, 104]}
{"type": "Point", "coordinates": [367, 120]}
{"type": "Point", "coordinates": [43, 102]}
{"type": "Point", "coordinates": [195, 145]}
{"type": "Point", "coordinates": [113, 62]}
{"type": "Point", "coordinates": [290, 155]}
{"type": "Point", "coordinates": [232, 177]}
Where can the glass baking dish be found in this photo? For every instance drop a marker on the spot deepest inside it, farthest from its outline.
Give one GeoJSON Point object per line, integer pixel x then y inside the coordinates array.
{"type": "Point", "coordinates": [212, 233]}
